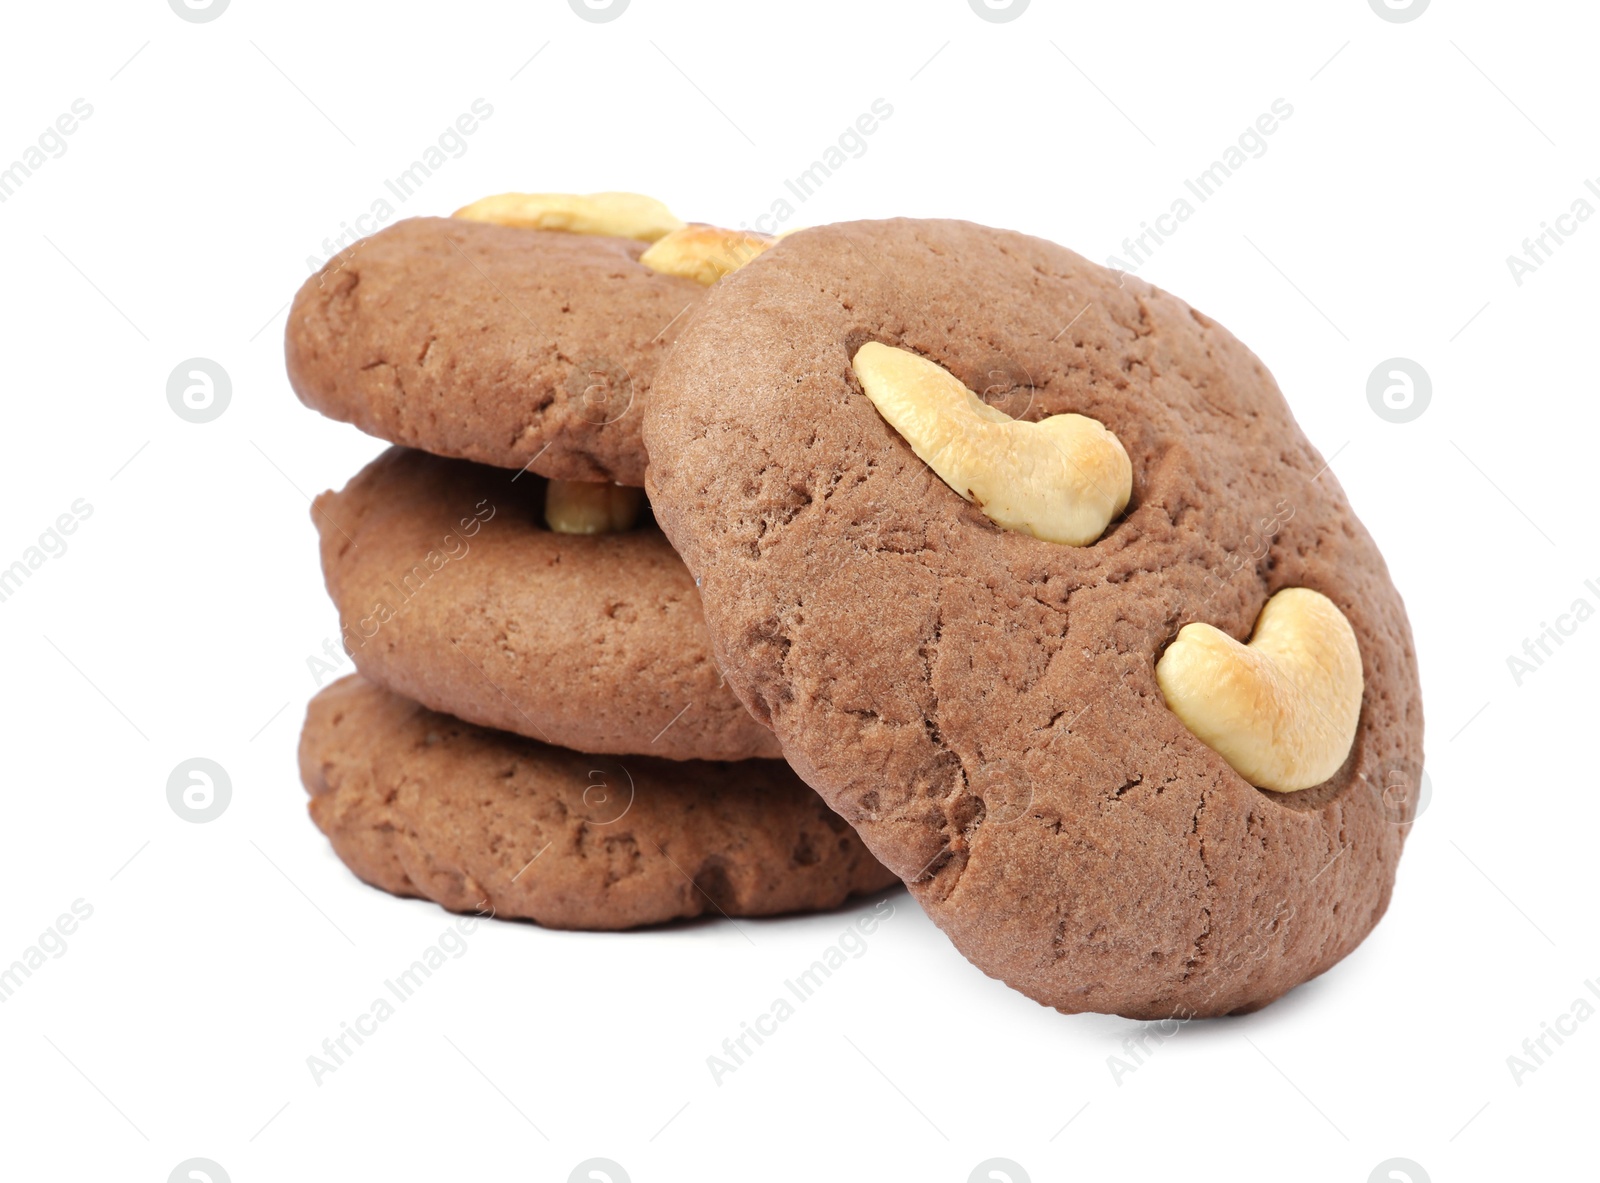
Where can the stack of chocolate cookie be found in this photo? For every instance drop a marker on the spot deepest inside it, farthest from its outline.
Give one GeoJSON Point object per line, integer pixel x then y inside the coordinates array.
{"type": "Point", "coordinates": [538, 728]}
{"type": "Point", "coordinates": [1022, 564]}
{"type": "Point", "coordinates": [1040, 585]}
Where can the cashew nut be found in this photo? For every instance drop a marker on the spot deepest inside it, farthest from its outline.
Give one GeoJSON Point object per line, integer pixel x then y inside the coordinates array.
{"type": "Point", "coordinates": [1282, 710]}
{"type": "Point", "coordinates": [704, 253]}
{"type": "Point", "coordinates": [591, 507]}
{"type": "Point", "coordinates": [1062, 479]}
{"type": "Point", "coordinates": [618, 215]}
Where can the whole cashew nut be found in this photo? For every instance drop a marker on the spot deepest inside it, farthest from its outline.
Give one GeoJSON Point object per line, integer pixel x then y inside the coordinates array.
{"type": "Point", "coordinates": [704, 253]}
{"type": "Point", "coordinates": [617, 215]}
{"type": "Point", "coordinates": [1282, 710]}
{"type": "Point", "coordinates": [591, 507]}
{"type": "Point", "coordinates": [1062, 479]}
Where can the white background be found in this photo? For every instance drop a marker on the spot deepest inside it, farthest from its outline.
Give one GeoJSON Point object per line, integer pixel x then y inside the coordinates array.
{"type": "Point", "coordinates": [179, 621]}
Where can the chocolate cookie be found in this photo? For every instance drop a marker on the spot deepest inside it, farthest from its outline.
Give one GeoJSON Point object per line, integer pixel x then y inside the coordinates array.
{"type": "Point", "coordinates": [451, 591]}
{"type": "Point", "coordinates": [422, 804]}
{"type": "Point", "coordinates": [982, 704]}
{"type": "Point", "coordinates": [511, 346]}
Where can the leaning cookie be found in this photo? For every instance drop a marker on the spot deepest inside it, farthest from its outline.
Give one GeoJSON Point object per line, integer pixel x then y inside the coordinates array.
{"type": "Point", "coordinates": [981, 528]}
{"type": "Point", "coordinates": [453, 589]}
{"type": "Point", "coordinates": [524, 332]}
{"type": "Point", "coordinates": [422, 804]}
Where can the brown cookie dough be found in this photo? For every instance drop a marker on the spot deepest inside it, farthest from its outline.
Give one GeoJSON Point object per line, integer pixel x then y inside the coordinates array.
{"type": "Point", "coordinates": [981, 704]}
{"type": "Point", "coordinates": [422, 804]}
{"type": "Point", "coordinates": [451, 591]}
{"type": "Point", "coordinates": [509, 346]}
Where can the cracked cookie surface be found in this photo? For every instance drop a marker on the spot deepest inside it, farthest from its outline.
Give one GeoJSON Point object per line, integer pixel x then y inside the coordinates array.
{"type": "Point", "coordinates": [981, 705]}
{"type": "Point", "coordinates": [452, 591]}
{"type": "Point", "coordinates": [422, 804]}
{"type": "Point", "coordinates": [503, 345]}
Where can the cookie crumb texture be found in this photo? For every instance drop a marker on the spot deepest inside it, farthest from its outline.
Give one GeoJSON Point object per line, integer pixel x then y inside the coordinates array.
{"type": "Point", "coordinates": [492, 343]}
{"type": "Point", "coordinates": [982, 705]}
{"type": "Point", "coordinates": [451, 591]}
{"type": "Point", "coordinates": [422, 804]}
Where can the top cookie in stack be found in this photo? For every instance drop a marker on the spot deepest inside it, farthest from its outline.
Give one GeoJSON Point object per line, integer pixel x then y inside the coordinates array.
{"type": "Point", "coordinates": [502, 568]}
{"type": "Point", "coordinates": [524, 332]}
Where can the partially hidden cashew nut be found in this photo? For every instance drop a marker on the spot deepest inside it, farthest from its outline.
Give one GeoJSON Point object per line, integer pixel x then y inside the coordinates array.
{"type": "Point", "coordinates": [1061, 479]}
{"type": "Point", "coordinates": [591, 507]}
{"type": "Point", "coordinates": [617, 215]}
{"type": "Point", "coordinates": [1282, 710]}
{"type": "Point", "coordinates": [704, 253]}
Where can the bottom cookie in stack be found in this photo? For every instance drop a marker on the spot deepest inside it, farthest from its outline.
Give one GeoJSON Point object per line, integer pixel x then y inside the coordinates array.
{"type": "Point", "coordinates": [422, 804]}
